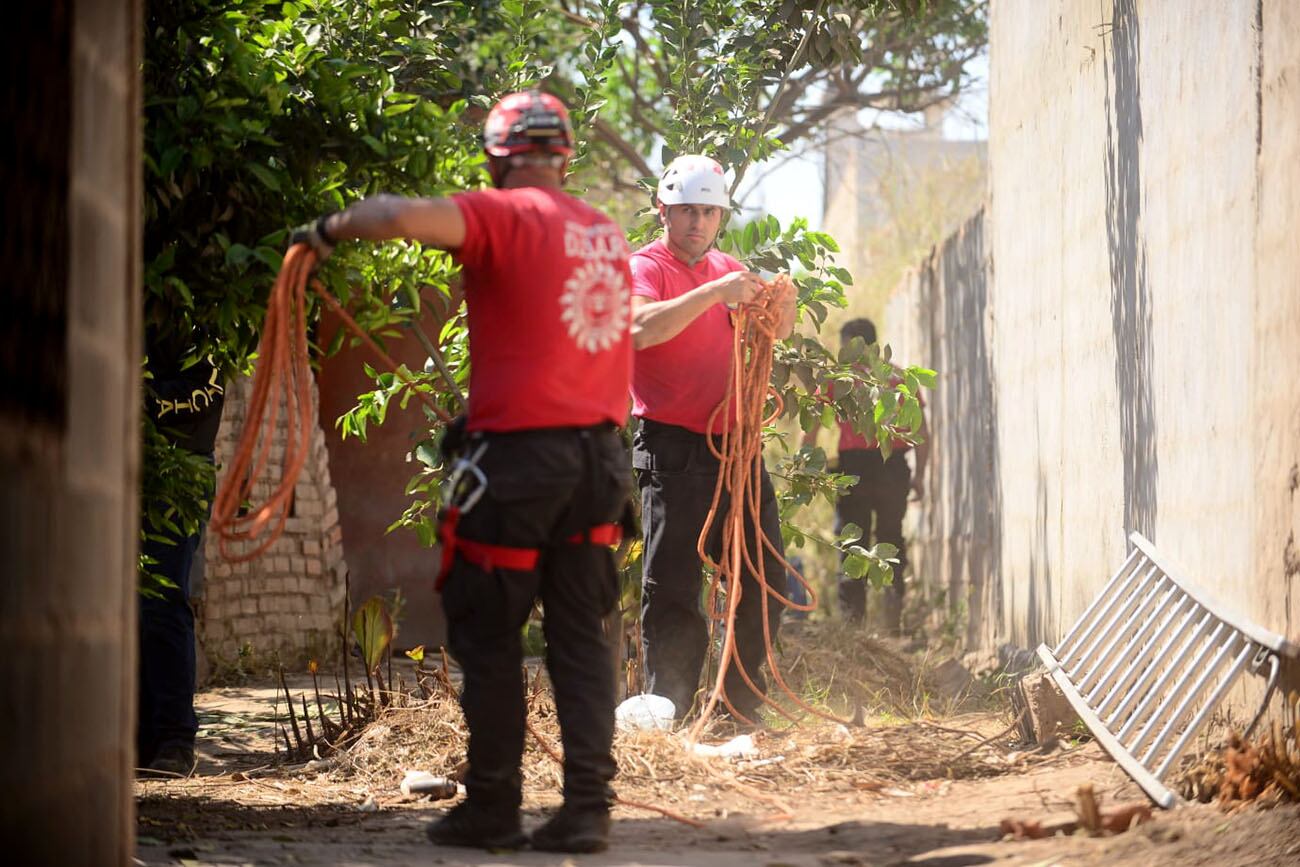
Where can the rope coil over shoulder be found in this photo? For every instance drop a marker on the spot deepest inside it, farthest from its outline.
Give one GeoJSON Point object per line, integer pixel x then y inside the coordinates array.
{"type": "Point", "coordinates": [282, 379]}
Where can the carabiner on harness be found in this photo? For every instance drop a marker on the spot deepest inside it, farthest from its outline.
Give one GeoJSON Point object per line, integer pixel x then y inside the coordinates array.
{"type": "Point", "coordinates": [485, 555]}
{"type": "Point", "coordinates": [454, 488]}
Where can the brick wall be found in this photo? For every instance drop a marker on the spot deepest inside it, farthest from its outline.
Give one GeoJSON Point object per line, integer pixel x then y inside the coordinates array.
{"type": "Point", "coordinates": [288, 602]}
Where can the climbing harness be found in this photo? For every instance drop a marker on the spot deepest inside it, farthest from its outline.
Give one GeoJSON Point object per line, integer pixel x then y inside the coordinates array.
{"type": "Point", "coordinates": [461, 499]}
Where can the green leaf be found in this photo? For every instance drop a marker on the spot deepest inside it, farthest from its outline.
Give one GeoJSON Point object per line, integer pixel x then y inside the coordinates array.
{"type": "Point", "coordinates": [373, 628]}
{"type": "Point", "coordinates": [265, 175]}
{"type": "Point", "coordinates": [269, 257]}
{"type": "Point", "coordinates": [237, 254]}
{"type": "Point", "coordinates": [850, 532]}
{"type": "Point", "coordinates": [426, 454]}
{"type": "Point", "coordinates": [884, 551]}
{"type": "Point", "coordinates": [855, 565]}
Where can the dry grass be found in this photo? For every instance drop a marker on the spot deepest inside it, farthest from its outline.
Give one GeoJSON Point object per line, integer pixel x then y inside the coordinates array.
{"type": "Point", "coordinates": [1265, 772]}
{"type": "Point", "coordinates": [889, 752]}
{"type": "Point", "coordinates": [842, 670]}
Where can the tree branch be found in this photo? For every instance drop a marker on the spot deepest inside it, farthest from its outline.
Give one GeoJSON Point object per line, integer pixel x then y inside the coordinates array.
{"type": "Point", "coordinates": [639, 103]}
{"type": "Point", "coordinates": [771, 106]}
{"type": "Point", "coordinates": [610, 136]}
{"type": "Point", "coordinates": [633, 29]}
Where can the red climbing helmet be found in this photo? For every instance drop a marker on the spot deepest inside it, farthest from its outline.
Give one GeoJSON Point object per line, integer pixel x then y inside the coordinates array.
{"type": "Point", "coordinates": [528, 121]}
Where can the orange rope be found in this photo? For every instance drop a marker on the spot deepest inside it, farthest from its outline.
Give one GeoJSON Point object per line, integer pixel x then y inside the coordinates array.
{"type": "Point", "coordinates": [282, 376]}
{"type": "Point", "coordinates": [740, 477]}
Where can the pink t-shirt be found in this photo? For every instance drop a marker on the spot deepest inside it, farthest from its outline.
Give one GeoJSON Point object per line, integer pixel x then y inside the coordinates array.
{"type": "Point", "coordinates": [681, 381]}
{"type": "Point", "coordinates": [851, 439]}
{"type": "Point", "coordinates": [547, 288]}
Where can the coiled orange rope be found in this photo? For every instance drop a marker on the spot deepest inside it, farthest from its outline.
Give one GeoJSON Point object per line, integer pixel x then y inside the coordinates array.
{"type": "Point", "coordinates": [282, 377]}
{"type": "Point", "coordinates": [740, 476]}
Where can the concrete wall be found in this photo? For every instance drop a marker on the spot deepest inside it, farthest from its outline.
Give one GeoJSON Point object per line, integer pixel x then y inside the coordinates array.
{"type": "Point", "coordinates": [1140, 310]}
{"type": "Point", "coordinates": [69, 440]}
{"type": "Point", "coordinates": [940, 317]}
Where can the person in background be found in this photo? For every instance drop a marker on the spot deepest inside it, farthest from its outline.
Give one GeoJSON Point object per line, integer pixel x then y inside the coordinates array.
{"type": "Point", "coordinates": [877, 502]}
{"type": "Point", "coordinates": [185, 403]}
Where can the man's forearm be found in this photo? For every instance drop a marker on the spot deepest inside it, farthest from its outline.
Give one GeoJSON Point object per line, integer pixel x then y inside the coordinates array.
{"type": "Point", "coordinates": [655, 322]}
{"type": "Point", "coordinates": [385, 217]}
{"type": "Point", "coordinates": [373, 219]}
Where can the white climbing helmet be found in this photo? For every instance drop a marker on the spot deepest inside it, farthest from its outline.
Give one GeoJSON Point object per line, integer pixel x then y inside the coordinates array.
{"type": "Point", "coordinates": [693, 180]}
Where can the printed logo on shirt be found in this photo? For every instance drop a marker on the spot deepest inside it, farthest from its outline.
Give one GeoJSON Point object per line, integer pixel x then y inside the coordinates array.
{"type": "Point", "coordinates": [601, 242]}
{"type": "Point", "coordinates": [595, 306]}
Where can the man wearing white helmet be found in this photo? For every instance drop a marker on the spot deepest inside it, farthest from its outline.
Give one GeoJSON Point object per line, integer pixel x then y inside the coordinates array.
{"type": "Point", "coordinates": [682, 332]}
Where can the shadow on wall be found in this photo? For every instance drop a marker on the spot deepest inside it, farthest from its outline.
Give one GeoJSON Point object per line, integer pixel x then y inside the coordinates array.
{"type": "Point", "coordinates": [961, 519]}
{"type": "Point", "coordinates": [976, 501]}
{"type": "Point", "coordinates": [1040, 624]}
{"type": "Point", "coordinates": [1130, 299]}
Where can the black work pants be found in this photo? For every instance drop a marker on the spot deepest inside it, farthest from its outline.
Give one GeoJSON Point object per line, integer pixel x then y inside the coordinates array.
{"type": "Point", "coordinates": [677, 473]}
{"type": "Point", "coordinates": [877, 504]}
{"type": "Point", "coordinates": [543, 486]}
{"type": "Point", "coordinates": [166, 672]}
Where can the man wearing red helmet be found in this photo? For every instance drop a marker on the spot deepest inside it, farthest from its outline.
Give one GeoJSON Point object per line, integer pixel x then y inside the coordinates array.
{"type": "Point", "coordinates": [543, 476]}
{"type": "Point", "coordinates": [682, 330]}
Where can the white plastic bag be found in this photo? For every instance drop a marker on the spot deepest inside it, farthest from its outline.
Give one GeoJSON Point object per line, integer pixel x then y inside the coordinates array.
{"type": "Point", "coordinates": [645, 712]}
{"type": "Point", "coordinates": [739, 747]}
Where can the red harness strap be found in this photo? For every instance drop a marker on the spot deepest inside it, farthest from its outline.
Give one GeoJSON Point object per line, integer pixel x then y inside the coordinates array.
{"type": "Point", "coordinates": [610, 535]}
{"type": "Point", "coordinates": [488, 557]}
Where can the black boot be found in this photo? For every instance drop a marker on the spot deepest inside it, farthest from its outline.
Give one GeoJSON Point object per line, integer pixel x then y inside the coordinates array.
{"type": "Point", "coordinates": [470, 825]}
{"type": "Point", "coordinates": [574, 830]}
{"type": "Point", "coordinates": [171, 761]}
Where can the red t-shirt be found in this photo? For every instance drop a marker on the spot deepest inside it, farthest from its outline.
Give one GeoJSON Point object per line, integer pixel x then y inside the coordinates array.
{"type": "Point", "coordinates": [851, 439]}
{"type": "Point", "coordinates": [681, 381]}
{"type": "Point", "coordinates": [547, 290]}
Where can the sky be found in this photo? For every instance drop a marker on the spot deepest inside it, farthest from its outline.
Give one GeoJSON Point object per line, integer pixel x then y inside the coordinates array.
{"type": "Point", "coordinates": [791, 185]}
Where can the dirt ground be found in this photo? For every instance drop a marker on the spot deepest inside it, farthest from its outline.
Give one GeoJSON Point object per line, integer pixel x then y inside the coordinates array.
{"type": "Point", "coordinates": [923, 788]}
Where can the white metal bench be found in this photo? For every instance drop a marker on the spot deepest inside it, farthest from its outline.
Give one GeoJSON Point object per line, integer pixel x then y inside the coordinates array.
{"type": "Point", "coordinates": [1149, 661]}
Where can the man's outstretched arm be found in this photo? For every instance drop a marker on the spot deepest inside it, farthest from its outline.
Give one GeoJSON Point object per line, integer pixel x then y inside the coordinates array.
{"type": "Point", "coordinates": [436, 222]}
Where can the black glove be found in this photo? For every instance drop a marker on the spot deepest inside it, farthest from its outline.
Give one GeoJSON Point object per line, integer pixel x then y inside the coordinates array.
{"type": "Point", "coordinates": [315, 236]}
{"type": "Point", "coordinates": [454, 438]}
